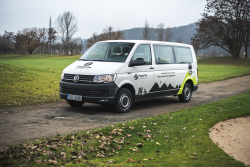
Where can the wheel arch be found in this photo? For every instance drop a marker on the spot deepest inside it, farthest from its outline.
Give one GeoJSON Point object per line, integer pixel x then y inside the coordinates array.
{"type": "Point", "coordinates": [187, 80]}
{"type": "Point", "coordinates": [130, 88]}
{"type": "Point", "coordinates": [191, 83]}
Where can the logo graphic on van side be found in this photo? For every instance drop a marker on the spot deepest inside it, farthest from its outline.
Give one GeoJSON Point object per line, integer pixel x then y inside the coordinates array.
{"type": "Point", "coordinates": [76, 78]}
{"type": "Point", "coordinates": [135, 76]}
{"type": "Point", "coordinates": [140, 76]}
{"type": "Point", "coordinates": [86, 65]}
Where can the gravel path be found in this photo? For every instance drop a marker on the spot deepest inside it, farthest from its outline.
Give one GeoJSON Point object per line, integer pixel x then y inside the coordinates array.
{"type": "Point", "coordinates": [28, 123]}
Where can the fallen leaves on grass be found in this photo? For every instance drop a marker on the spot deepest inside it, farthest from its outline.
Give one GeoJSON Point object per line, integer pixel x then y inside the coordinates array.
{"type": "Point", "coordinates": [130, 160]}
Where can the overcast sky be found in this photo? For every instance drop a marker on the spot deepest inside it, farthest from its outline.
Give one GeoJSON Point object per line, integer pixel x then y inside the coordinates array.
{"type": "Point", "coordinates": [94, 15]}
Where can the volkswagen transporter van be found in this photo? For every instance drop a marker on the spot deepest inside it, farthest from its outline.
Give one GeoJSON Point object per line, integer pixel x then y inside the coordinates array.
{"type": "Point", "coordinates": [119, 72]}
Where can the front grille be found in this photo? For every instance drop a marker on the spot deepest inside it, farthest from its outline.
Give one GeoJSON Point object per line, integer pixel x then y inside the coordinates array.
{"type": "Point", "coordinates": [91, 93]}
{"type": "Point", "coordinates": [82, 78]}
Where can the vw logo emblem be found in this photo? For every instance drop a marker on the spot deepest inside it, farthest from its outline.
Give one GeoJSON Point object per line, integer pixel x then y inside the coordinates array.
{"type": "Point", "coordinates": [76, 78]}
{"type": "Point", "coordinates": [88, 64]}
{"type": "Point", "coordinates": [135, 76]}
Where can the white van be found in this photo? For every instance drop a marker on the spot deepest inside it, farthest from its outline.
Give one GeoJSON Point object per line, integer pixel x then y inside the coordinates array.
{"type": "Point", "coordinates": [119, 72]}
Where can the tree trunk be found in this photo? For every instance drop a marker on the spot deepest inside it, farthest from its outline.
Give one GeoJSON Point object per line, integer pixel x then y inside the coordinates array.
{"type": "Point", "coordinates": [30, 52]}
{"type": "Point", "coordinates": [246, 56]}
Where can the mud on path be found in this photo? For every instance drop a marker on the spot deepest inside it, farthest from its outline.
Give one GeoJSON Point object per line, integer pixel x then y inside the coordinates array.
{"type": "Point", "coordinates": [27, 123]}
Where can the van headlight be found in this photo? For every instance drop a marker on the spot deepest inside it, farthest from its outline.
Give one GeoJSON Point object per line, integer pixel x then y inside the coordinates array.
{"type": "Point", "coordinates": [62, 75]}
{"type": "Point", "coordinates": [104, 78]}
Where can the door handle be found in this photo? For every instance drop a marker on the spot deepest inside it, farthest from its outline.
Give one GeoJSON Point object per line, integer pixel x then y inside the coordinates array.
{"type": "Point", "coordinates": [151, 67]}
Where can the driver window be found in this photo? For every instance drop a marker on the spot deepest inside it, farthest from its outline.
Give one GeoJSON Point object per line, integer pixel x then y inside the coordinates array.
{"type": "Point", "coordinates": [143, 51]}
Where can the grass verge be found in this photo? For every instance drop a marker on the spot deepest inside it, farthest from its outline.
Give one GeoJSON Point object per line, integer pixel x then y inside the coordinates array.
{"type": "Point", "coordinates": [176, 139]}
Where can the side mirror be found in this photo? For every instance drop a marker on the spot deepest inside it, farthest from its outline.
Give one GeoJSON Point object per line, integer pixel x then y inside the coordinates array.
{"type": "Point", "coordinates": [137, 62]}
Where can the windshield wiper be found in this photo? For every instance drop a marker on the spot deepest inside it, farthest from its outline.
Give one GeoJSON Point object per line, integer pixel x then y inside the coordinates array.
{"type": "Point", "coordinates": [183, 62]}
{"type": "Point", "coordinates": [97, 60]}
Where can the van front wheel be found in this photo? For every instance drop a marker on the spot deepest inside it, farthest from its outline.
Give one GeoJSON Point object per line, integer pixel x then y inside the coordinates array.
{"type": "Point", "coordinates": [73, 103]}
{"type": "Point", "coordinates": [186, 93]}
{"type": "Point", "coordinates": [124, 101]}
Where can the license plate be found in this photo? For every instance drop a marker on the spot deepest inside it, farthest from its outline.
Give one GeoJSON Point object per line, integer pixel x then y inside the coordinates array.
{"type": "Point", "coordinates": [74, 97]}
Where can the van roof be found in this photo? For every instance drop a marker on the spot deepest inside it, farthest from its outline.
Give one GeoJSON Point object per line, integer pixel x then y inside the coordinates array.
{"type": "Point", "coordinates": [149, 42]}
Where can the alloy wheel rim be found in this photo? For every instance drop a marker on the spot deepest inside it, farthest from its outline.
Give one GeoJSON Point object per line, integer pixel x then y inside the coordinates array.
{"type": "Point", "coordinates": [124, 101]}
{"type": "Point", "coordinates": [187, 92]}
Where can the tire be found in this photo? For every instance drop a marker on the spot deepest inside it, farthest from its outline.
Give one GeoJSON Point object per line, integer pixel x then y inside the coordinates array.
{"type": "Point", "coordinates": [186, 93]}
{"type": "Point", "coordinates": [124, 101]}
{"type": "Point", "coordinates": [73, 103]}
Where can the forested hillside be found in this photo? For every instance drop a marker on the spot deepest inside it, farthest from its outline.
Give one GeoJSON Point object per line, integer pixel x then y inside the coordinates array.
{"type": "Point", "coordinates": [184, 33]}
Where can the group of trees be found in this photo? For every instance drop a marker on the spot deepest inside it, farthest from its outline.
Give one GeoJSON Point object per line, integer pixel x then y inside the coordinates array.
{"type": "Point", "coordinates": [162, 33]}
{"type": "Point", "coordinates": [26, 40]}
{"type": "Point", "coordinates": [148, 34]}
{"type": "Point", "coordinates": [45, 40]}
{"type": "Point", "coordinates": [224, 23]}
{"type": "Point", "coordinates": [108, 34]}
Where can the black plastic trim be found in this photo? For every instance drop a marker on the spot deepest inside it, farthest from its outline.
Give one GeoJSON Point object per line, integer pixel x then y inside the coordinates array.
{"type": "Point", "coordinates": [108, 99]}
{"type": "Point", "coordinates": [156, 94]}
{"type": "Point", "coordinates": [195, 88]}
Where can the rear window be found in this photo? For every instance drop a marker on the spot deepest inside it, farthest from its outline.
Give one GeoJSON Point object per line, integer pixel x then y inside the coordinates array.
{"type": "Point", "coordinates": [183, 55]}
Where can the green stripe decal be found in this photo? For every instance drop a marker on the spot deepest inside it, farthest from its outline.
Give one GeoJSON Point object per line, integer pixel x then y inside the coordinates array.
{"type": "Point", "coordinates": [185, 80]}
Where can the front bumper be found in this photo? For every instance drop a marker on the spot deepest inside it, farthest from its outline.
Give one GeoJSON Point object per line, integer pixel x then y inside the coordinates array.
{"type": "Point", "coordinates": [102, 93]}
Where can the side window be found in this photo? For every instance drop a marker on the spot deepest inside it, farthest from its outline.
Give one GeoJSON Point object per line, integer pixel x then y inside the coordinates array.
{"type": "Point", "coordinates": [143, 51]}
{"type": "Point", "coordinates": [163, 54]}
{"type": "Point", "coordinates": [183, 55]}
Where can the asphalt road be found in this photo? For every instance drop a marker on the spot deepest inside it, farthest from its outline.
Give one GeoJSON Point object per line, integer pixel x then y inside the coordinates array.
{"type": "Point", "coordinates": [20, 124]}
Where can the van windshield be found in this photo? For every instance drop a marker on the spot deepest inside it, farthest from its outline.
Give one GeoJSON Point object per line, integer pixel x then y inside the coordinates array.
{"type": "Point", "coordinates": [108, 51]}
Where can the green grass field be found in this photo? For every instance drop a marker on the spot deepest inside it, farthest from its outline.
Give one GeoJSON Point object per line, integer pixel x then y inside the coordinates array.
{"type": "Point", "coordinates": [221, 68]}
{"type": "Point", "coordinates": [34, 79]}
{"type": "Point", "coordinates": [176, 139]}
{"type": "Point", "coordinates": [31, 79]}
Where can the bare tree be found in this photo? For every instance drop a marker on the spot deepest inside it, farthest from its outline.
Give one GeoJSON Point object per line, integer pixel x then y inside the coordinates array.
{"type": "Point", "coordinates": [108, 34]}
{"type": "Point", "coordinates": [196, 46]}
{"type": "Point", "coordinates": [72, 46]}
{"type": "Point", "coordinates": [168, 34]}
{"type": "Point", "coordinates": [92, 40]}
{"type": "Point", "coordinates": [148, 32]}
{"type": "Point", "coordinates": [76, 46]}
{"type": "Point", "coordinates": [247, 36]}
{"type": "Point", "coordinates": [160, 31]}
{"type": "Point", "coordinates": [19, 42]}
{"type": "Point", "coordinates": [33, 38]}
{"type": "Point", "coordinates": [6, 42]}
{"type": "Point", "coordinates": [67, 27]}
{"type": "Point", "coordinates": [179, 40]}
{"type": "Point", "coordinates": [224, 24]}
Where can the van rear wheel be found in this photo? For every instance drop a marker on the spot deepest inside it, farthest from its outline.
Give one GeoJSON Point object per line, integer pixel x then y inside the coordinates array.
{"type": "Point", "coordinates": [186, 93]}
{"type": "Point", "coordinates": [124, 101]}
{"type": "Point", "coordinates": [73, 103]}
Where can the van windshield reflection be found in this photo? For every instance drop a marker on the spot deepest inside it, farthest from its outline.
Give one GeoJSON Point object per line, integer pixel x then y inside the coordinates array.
{"type": "Point", "coordinates": [108, 51]}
